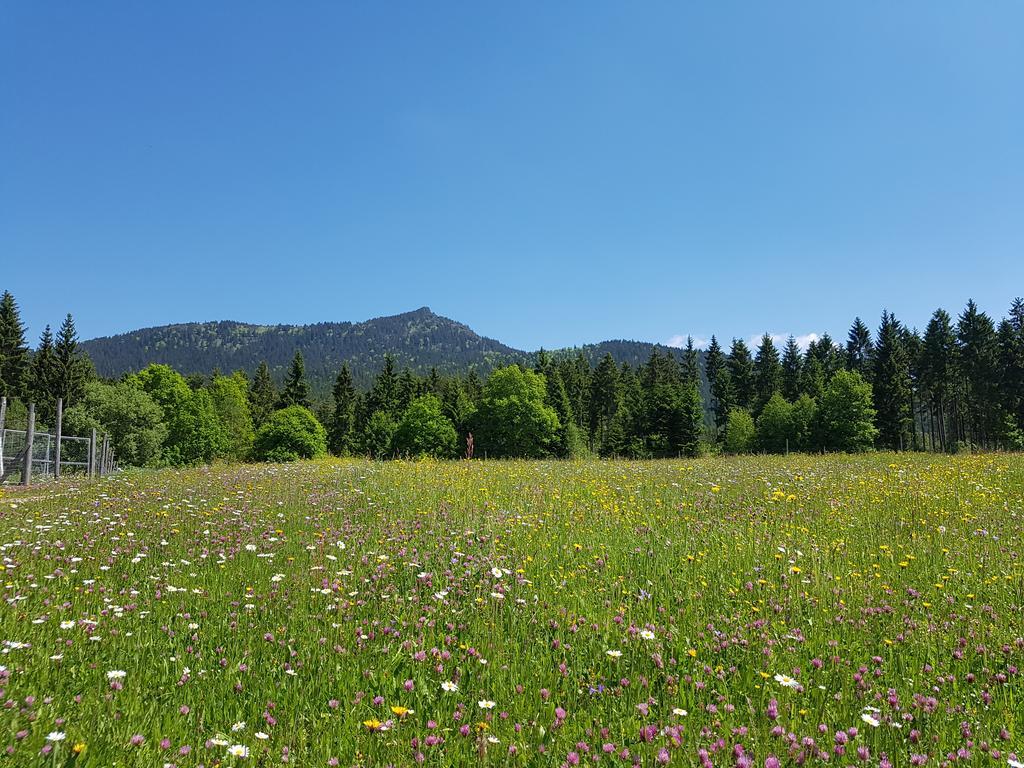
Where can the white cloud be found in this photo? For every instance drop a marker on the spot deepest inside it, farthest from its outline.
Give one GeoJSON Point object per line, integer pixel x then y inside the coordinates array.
{"type": "Point", "coordinates": [802, 340]}
{"type": "Point", "coordinates": [679, 341]}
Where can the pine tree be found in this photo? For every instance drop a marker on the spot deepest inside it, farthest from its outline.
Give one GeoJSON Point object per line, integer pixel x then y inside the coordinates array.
{"type": "Point", "coordinates": [892, 385]}
{"type": "Point", "coordinates": [71, 371]}
{"type": "Point", "coordinates": [792, 370]}
{"type": "Point", "coordinates": [296, 388]}
{"type": "Point", "coordinates": [14, 370]}
{"type": "Point", "coordinates": [384, 394]}
{"type": "Point", "coordinates": [741, 374]}
{"type": "Point", "coordinates": [859, 348]}
{"type": "Point", "coordinates": [691, 420]}
{"type": "Point", "coordinates": [1011, 364]}
{"type": "Point", "coordinates": [938, 384]}
{"type": "Point", "coordinates": [343, 419]}
{"type": "Point", "coordinates": [767, 372]}
{"type": "Point", "coordinates": [720, 384]}
{"type": "Point", "coordinates": [262, 395]}
{"type": "Point", "coordinates": [605, 401]}
{"type": "Point", "coordinates": [978, 352]}
{"type": "Point", "coordinates": [44, 378]}
{"type": "Point", "coordinates": [691, 364]}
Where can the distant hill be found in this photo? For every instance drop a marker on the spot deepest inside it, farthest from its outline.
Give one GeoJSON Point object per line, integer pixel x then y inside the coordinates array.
{"type": "Point", "coordinates": [418, 340]}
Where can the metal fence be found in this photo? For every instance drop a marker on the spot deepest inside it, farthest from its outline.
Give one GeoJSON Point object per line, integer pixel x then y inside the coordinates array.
{"type": "Point", "coordinates": [52, 454]}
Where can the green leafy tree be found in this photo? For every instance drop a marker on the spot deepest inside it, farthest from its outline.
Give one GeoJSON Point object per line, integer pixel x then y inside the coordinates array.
{"type": "Point", "coordinates": [296, 387]}
{"type": "Point", "coordinates": [14, 371]}
{"type": "Point", "coordinates": [343, 419]}
{"type": "Point", "coordinates": [424, 430]}
{"type": "Point", "coordinates": [263, 397]}
{"type": "Point", "coordinates": [846, 416]}
{"type": "Point", "coordinates": [775, 431]}
{"type": "Point", "coordinates": [803, 416]}
{"type": "Point", "coordinates": [739, 431]}
{"type": "Point", "coordinates": [290, 434]}
{"type": "Point", "coordinates": [378, 435]}
{"type": "Point", "coordinates": [194, 434]}
{"type": "Point", "coordinates": [128, 414]}
{"type": "Point", "coordinates": [513, 419]}
{"type": "Point", "coordinates": [230, 398]}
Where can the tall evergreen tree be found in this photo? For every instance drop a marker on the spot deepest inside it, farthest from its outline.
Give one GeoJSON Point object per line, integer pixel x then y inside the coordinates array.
{"type": "Point", "coordinates": [978, 352]}
{"type": "Point", "coordinates": [741, 374]}
{"type": "Point", "coordinates": [859, 349]}
{"type": "Point", "coordinates": [340, 434]}
{"type": "Point", "coordinates": [605, 401]}
{"type": "Point", "coordinates": [44, 378]}
{"type": "Point", "coordinates": [937, 376]}
{"type": "Point", "coordinates": [767, 372]}
{"type": "Point", "coordinates": [691, 364]}
{"type": "Point", "coordinates": [13, 349]}
{"type": "Point", "coordinates": [1011, 364]}
{"type": "Point", "coordinates": [71, 370]}
{"type": "Point", "coordinates": [262, 395]}
{"type": "Point", "coordinates": [892, 385]}
{"type": "Point", "coordinates": [384, 394]}
{"type": "Point", "coordinates": [296, 388]}
{"type": "Point", "coordinates": [720, 383]}
{"type": "Point", "coordinates": [792, 370]}
{"type": "Point", "coordinates": [691, 419]}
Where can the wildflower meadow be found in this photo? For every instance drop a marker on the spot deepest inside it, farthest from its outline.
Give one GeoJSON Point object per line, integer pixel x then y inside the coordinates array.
{"type": "Point", "coordinates": [758, 611]}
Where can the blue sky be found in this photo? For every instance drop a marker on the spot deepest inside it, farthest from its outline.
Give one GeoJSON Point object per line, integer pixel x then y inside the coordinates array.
{"type": "Point", "coordinates": [548, 173]}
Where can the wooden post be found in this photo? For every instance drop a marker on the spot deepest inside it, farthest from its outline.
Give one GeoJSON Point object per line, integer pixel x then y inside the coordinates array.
{"type": "Point", "coordinates": [60, 419]}
{"type": "Point", "coordinates": [92, 455]}
{"type": "Point", "coordinates": [103, 456]}
{"type": "Point", "coordinates": [3, 421]}
{"type": "Point", "coordinates": [30, 436]}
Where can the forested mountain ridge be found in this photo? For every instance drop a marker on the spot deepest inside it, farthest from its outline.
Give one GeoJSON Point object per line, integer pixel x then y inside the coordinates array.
{"type": "Point", "coordinates": [419, 340]}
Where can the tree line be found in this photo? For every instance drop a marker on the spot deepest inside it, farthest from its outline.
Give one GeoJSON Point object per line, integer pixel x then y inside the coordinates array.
{"type": "Point", "coordinates": [958, 385]}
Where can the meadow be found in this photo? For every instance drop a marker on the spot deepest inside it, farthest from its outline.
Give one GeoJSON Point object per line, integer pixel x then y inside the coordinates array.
{"type": "Point", "coordinates": [763, 611]}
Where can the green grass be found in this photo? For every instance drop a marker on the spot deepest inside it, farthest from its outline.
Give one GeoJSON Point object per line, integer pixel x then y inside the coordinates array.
{"type": "Point", "coordinates": [307, 600]}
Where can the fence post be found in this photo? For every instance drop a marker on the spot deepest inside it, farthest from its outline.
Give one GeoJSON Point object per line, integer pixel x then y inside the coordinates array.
{"type": "Point", "coordinates": [60, 419]}
{"type": "Point", "coordinates": [92, 455]}
{"type": "Point", "coordinates": [3, 421]}
{"type": "Point", "coordinates": [30, 436]}
{"type": "Point", "coordinates": [103, 456]}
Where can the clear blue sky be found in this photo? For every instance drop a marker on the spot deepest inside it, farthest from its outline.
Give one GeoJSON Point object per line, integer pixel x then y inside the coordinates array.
{"type": "Point", "coordinates": [549, 173]}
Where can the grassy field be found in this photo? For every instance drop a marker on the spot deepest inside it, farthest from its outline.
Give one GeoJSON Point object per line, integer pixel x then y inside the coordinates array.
{"type": "Point", "coordinates": [757, 611]}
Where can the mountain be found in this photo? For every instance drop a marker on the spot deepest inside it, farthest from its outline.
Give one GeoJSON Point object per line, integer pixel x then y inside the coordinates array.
{"type": "Point", "coordinates": [418, 340]}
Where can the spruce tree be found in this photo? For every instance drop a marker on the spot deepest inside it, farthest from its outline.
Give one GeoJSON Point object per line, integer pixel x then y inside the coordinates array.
{"type": "Point", "coordinates": [341, 427]}
{"type": "Point", "coordinates": [691, 419]}
{"type": "Point", "coordinates": [1011, 365]}
{"type": "Point", "coordinates": [71, 370]}
{"type": "Point", "coordinates": [384, 394]}
{"type": "Point", "coordinates": [262, 395]}
{"type": "Point", "coordinates": [691, 364]}
{"type": "Point", "coordinates": [978, 354]}
{"type": "Point", "coordinates": [296, 388]}
{"type": "Point", "coordinates": [937, 377]}
{"type": "Point", "coordinates": [13, 349]}
{"type": "Point", "coordinates": [859, 348]}
{"type": "Point", "coordinates": [792, 370]}
{"type": "Point", "coordinates": [605, 401]}
{"type": "Point", "coordinates": [44, 378]}
{"type": "Point", "coordinates": [767, 372]}
{"type": "Point", "coordinates": [892, 385]}
{"type": "Point", "coordinates": [720, 384]}
{"type": "Point", "coordinates": [741, 374]}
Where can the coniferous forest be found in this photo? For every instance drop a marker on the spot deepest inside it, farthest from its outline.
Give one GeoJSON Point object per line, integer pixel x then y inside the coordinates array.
{"type": "Point", "coordinates": [957, 385]}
